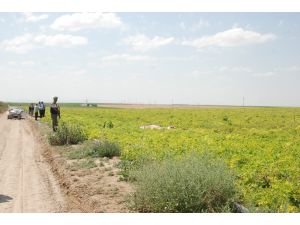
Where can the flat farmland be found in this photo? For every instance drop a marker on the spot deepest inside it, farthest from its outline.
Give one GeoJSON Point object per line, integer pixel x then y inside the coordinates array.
{"type": "Point", "coordinates": [260, 144]}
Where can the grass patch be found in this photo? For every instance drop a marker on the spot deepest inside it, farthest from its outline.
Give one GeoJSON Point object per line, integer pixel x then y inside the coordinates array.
{"type": "Point", "coordinates": [194, 183]}
{"type": "Point", "coordinates": [95, 149]}
{"type": "Point", "coordinates": [108, 124]}
{"type": "Point", "coordinates": [67, 134]}
{"type": "Point", "coordinates": [85, 164]}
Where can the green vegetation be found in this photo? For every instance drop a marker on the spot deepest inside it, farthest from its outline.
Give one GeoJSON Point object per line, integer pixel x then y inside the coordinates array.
{"type": "Point", "coordinates": [84, 164]}
{"type": "Point", "coordinates": [3, 107]}
{"type": "Point", "coordinates": [96, 148]}
{"type": "Point", "coordinates": [261, 145]}
{"type": "Point", "coordinates": [108, 124]}
{"type": "Point", "coordinates": [193, 183]}
{"type": "Point", "coordinates": [67, 134]}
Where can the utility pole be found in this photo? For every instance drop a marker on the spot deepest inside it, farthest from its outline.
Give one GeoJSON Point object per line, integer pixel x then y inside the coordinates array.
{"type": "Point", "coordinates": [243, 111]}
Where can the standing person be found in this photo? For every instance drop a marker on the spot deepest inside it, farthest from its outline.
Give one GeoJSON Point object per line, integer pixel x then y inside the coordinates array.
{"type": "Point", "coordinates": [31, 108]}
{"type": "Point", "coordinates": [55, 112]}
{"type": "Point", "coordinates": [36, 111]}
{"type": "Point", "coordinates": [43, 109]}
{"type": "Point", "coordinates": [40, 109]}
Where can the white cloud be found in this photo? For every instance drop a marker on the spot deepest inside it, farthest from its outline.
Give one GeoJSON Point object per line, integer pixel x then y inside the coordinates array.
{"type": "Point", "coordinates": [143, 43]}
{"type": "Point", "coordinates": [182, 25]}
{"type": "Point", "coordinates": [29, 17]}
{"type": "Point", "coordinates": [288, 69]}
{"type": "Point", "coordinates": [200, 24]}
{"type": "Point", "coordinates": [26, 42]}
{"type": "Point", "coordinates": [235, 69]}
{"type": "Point", "coordinates": [278, 71]}
{"type": "Point", "coordinates": [200, 73]}
{"type": "Point", "coordinates": [265, 74]}
{"type": "Point", "coordinates": [22, 63]}
{"type": "Point", "coordinates": [63, 40]}
{"type": "Point", "coordinates": [230, 38]}
{"type": "Point", "coordinates": [281, 23]}
{"type": "Point", "coordinates": [293, 69]}
{"type": "Point", "coordinates": [20, 44]}
{"type": "Point", "coordinates": [125, 57]}
{"type": "Point", "coordinates": [76, 72]}
{"type": "Point", "coordinates": [12, 62]}
{"type": "Point", "coordinates": [196, 26]}
{"type": "Point", "coordinates": [28, 63]}
{"type": "Point", "coordinates": [80, 21]}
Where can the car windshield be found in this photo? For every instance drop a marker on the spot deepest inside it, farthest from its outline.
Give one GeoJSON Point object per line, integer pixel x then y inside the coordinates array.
{"type": "Point", "coordinates": [15, 110]}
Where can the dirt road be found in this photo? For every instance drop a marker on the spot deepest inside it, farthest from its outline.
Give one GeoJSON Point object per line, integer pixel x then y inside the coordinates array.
{"type": "Point", "coordinates": [26, 181]}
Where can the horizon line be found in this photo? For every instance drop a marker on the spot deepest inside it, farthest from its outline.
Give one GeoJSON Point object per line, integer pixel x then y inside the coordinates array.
{"type": "Point", "coordinates": [160, 104]}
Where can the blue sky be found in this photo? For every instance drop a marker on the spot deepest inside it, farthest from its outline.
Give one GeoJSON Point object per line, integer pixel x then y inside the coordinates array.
{"type": "Point", "coordinates": [192, 58]}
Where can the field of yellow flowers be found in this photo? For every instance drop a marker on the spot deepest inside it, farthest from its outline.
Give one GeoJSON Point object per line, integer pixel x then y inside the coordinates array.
{"type": "Point", "coordinates": [262, 145]}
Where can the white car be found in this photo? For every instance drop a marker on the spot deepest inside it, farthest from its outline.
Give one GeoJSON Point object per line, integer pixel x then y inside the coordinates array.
{"type": "Point", "coordinates": [15, 113]}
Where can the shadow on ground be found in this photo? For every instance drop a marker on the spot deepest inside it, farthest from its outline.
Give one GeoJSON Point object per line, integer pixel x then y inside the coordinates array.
{"type": "Point", "coordinates": [5, 198]}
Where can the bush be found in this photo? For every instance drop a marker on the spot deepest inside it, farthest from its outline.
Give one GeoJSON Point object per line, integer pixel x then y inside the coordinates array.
{"type": "Point", "coordinates": [103, 148]}
{"type": "Point", "coordinates": [225, 118]}
{"type": "Point", "coordinates": [67, 134]}
{"type": "Point", "coordinates": [108, 124]}
{"type": "Point", "coordinates": [194, 183]}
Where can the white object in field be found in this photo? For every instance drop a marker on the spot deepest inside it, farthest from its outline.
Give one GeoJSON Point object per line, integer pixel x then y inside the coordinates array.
{"type": "Point", "coordinates": [157, 127]}
{"type": "Point", "coordinates": [170, 127]}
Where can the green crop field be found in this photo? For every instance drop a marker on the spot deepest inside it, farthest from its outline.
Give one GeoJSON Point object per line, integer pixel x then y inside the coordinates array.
{"type": "Point", "coordinates": [261, 145]}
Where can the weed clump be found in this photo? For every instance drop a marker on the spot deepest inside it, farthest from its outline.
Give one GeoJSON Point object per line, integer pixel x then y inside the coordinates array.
{"type": "Point", "coordinates": [194, 183]}
{"type": "Point", "coordinates": [85, 164]}
{"type": "Point", "coordinates": [95, 149]}
{"type": "Point", "coordinates": [108, 124]}
{"type": "Point", "coordinates": [227, 120]}
{"type": "Point", "coordinates": [67, 134]}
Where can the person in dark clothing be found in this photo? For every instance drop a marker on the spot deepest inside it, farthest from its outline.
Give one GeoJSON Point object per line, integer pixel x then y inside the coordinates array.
{"type": "Point", "coordinates": [36, 111]}
{"type": "Point", "coordinates": [44, 109]}
{"type": "Point", "coordinates": [40, 109]}
{"type": "Point", "coordinates": [55, 113]}
{"type": "Point", "coordinates": [31, 108]}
